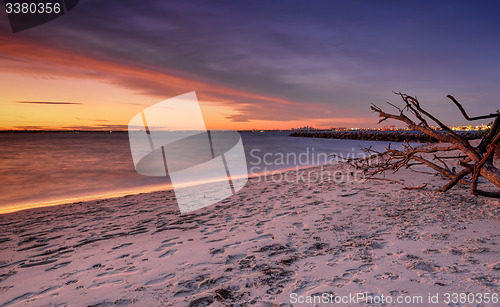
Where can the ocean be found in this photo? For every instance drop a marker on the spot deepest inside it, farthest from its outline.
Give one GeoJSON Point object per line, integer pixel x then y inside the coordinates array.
{"type": "Point", "coordinates": [39, 169]}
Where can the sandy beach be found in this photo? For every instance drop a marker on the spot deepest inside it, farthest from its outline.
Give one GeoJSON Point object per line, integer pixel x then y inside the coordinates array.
{"type": "Point", "coordinates": [276, 243]}
{"type": "Point", "coordinates": [249, 153]}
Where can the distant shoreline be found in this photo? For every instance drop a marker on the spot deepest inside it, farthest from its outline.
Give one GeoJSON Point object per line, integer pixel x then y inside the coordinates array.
{"type": "Point", "coordinates": [63, 131]}
{"type": "Point", "coordinates": [391, 136]}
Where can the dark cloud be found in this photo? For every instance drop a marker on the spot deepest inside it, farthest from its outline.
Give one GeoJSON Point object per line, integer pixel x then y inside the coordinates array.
{"type": "Point", "coordinates": [237, 118]}
{"type": "Point", "coordinates": [33, 127]}
{"type": "Point", "coordinates": [76, 127]}
{"type": "Point", "coordinates": [49, 102]}
{"type": "Point", "coordinates": [98, 127]}
{"type": "Point", "coordinates": [345, 54]}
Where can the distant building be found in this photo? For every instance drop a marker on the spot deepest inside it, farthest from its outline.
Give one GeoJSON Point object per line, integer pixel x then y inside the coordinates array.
{"type": "Point", "coordinates": [305, 128]}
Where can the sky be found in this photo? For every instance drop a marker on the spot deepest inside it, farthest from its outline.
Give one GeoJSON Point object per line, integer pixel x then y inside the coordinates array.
{"type": "Point", "coordinates": [253, 64]}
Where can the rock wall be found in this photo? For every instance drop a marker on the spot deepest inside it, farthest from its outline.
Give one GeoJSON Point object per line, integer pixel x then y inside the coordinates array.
{"type": "Point", "coordinates": [391, 136]}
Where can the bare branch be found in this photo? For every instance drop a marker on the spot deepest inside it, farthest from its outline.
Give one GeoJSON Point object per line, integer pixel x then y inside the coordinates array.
{"type": "Point", "coordinates": [455, 180]}
{"type": "Point", "coordinates": [420, 172]}
{"type": "Point", "coordinates": [476, 161]}
{"type": "Point", "coordinates": [399, 182]}
{"type": "Point", "coordinates": [487, 139]}
{"type": "Point", "coordinates": [444, 163]}
{"type": "Point", "coordinates": [459, 106]}
{"type": "Point", "coordinates": [488, 194]}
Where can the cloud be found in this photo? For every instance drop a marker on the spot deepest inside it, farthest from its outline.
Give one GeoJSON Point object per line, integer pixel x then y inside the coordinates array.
{"type": "Point", "coordinates": [75, 127]}
{"type": "Point", "coordinates": [280, 60]}
{"type": "Point", "coordinates": [98, 127]}
{"type": "Point", "coordinates": [31, 127]}
{"type": "Point", "coordinates": [161, 83]}
{"type": "Point", "coordinates": [49, 102]}
{"type": "Point", "coordinates": [237, 118]}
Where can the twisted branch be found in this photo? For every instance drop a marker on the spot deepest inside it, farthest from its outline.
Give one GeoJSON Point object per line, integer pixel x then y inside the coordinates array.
{"type": "Point", "coordinates": [476, 161]}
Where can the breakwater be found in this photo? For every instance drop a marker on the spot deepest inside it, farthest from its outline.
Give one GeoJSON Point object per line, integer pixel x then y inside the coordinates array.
{"type": "Point", "coordinates": [390, 136]}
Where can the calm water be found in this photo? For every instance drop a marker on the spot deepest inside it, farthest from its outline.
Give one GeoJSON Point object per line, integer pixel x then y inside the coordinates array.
{"type": "Point", "coordinates": [47, 167]}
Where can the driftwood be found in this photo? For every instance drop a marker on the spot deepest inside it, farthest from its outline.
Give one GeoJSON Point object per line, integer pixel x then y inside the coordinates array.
{"type": "Point", "coordinates": [473, 162]}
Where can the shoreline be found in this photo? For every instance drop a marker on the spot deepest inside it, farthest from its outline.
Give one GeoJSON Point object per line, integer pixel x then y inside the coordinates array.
{"type": "Point", "coordinates": [121, 193]}
{"type": "Point", "coordinates": [256, 248]}
{"type": "Point", "coordinates": [79, 199]}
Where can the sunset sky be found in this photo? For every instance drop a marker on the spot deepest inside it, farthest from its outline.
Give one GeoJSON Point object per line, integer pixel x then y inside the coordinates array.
{"type": "Point", "coordinates": [253, 64]}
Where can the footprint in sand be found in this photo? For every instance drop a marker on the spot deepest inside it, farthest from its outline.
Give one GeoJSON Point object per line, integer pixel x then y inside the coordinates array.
{"type": "Point", "coordinates": [140, 254]}
{"type": "Point", "coordinates": [201, 302]}
{"type": "Point", "coordinates": [30, 295]}
{"type": "Point", "coordinates": [268, 236]}
{"type": "Point", "coordinates": [122, 245]}
{"type": "Point", "coordinates": [233, 258]}
{"type": "Point", "coordinates": [168, 240]}
{"type": "Point", "coordinates": [162, 247]}
{"type": "Point", "coordinates": [58, 266]}
{"type": "Point", "coordinates": [160, 280]}
{"type": "Point", "coordinates": [216, 240]}
{"type": "Point", "coordinates": [168, 253]}
{"type": "Point", "coordinates": [213, 232]}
